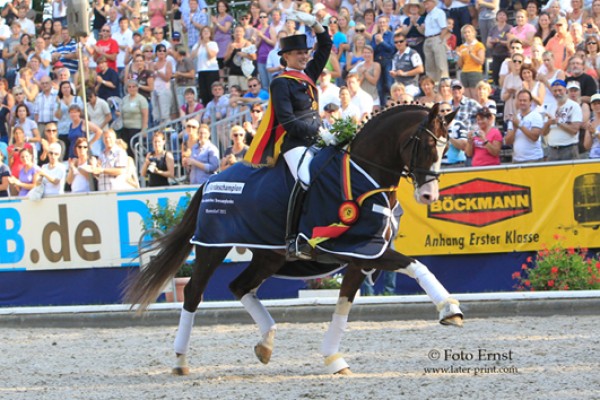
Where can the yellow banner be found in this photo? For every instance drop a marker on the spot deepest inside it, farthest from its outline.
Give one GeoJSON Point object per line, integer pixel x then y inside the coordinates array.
{"type": "Point", "coordinates": [513, 208]}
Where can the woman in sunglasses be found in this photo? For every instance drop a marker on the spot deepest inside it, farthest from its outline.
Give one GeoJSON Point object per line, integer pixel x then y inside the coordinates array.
{"type": "Point", "coordinates": [238, 150]}
{"type": "Point", "coordinates": [78, 175]}
{"type": "Point", "coordinates": [53, 173]}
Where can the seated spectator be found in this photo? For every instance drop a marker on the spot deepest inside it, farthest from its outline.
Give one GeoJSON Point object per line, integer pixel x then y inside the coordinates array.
{"type": "Point", "coordinates": [428, 94]}
{"type": "Point", "coordinates": [464, 106]}
{"type": "Point", "coordinates": [256, 94]}
{"type": "Point", "coordinates": [216, 109]}
{"type": "Point", "coordinates": [132, 181]}
{"type": "Point", "coordinates": [512, 84]}
{"type": "Point", "coordinates": [238, 150]}
{"type": "Point", "coordinates": [535, 87]}
{"type": "Point", "coordinates": [256, 115]}
{"type": "Point", "coordinates": [99, 114]}
{"type": "Point", "coordinates": [190, 105]}
{"type": "Point", "coordinates": [407, 65]}
{"type": "Point", "coordinates": [4, 177]}
{"type": "Point", "coordinates": [66, 98]}
{"type": "Point", "coordinates": [587, 84]}
{"type": "Point", "coordinates": [203, 160]}
{"type": "Point", "coordinates": [484, 90]}
{"type": "Point", "coordinates": [236, 105]}
{"type": "Point", "coordinates": [53, 173]}
{"type": "Point", "coordinates": [457, 140]}
{"type": "Point", "coordinates": [328, 91]}
{"type": "Point", "coordinates": [107, 81]}
{"type": "Point", "coordinates": [347, 109]}
{"type": "Point", "coordinates": [516, 47]}
{"type": "Point", "coordinates": [78, 128]}
{"type": "Point", "coordinates": [78, 175]}
{"type": "Point", "coordinates": [331, 114]}
{"type": "Point", "coordinates": [591, 140]}
{"type": "Point", "coordinates": [112, 168]}
{"type": "Point", "coordinates": [397, 92]}
{"type": "Point", "coordinates": [484, 144]}
{"type": "Point", "coordinates": [89, 75]}
{"type": "Point", "coordinates": [273, 65]}
{"type": "Point", "coordinates": [525, 131]}
{"type": "Point", "coordinates": [362, 100]}
{"type": "Point", "coordinates": [51, 136]}
{"type": "Point", "coordinates": [14, 150]}
{"type": "Point", "coordinates": [134, 112]}
{"type": "Point", "coordinates": [28, 176]}
{"type": "Point", "coordinates": [19, 97]}
{"type": "Point", "coordinates": [368, 72]}
{"type": "Point", "coordinates": [355, 54]}
{"type": "Point", "coordinates": [29, 126]}
{"type": "Point", "coordinates": [546, 75]}
{"type": "Point", "coordinates": [159, 164]}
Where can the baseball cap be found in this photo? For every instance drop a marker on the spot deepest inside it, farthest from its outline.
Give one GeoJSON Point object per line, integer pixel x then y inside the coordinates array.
{"type": "Point", "coordinates": [331, 107]}
{"type": "Point", "coordinates": [456, 83]}
{"type": "Point", "coordinates": [573, 85]}
{"type": "Point", "coordinates": [58, 64]}
{"type": "Point", "coordinates": [318, 7]}
{"type": "Point", "coordinates": [176, 36]}
{"type": "Point", "coordinates": [559, 82]}
{"type": "Point", "coordinates": [595, 97]}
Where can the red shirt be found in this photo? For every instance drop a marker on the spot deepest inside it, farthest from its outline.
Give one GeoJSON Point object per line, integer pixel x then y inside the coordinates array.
{"type": "Point", "coordinates": [109, 46]}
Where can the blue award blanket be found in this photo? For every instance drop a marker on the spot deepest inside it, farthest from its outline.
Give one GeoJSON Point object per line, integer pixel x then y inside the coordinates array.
{"type": "Point", "coordinates": [245, 206]}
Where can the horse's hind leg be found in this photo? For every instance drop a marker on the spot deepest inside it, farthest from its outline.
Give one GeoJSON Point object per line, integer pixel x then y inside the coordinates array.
{"type": "Point", "coordinates": [264, 264]}
{"type": "Point", "coordinates": [334, 362]}
{"type": "Point", "coordinates": [207, 261]}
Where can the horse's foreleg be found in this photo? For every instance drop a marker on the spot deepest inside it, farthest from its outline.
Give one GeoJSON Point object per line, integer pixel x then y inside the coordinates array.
{"type": "Point", "coordinates": [207, 261]}
{"type": "Point", "coordinates": [264, 264]}
{"type": "Point", "coordinates": [334, 361]}
{"type": "Point", "coordinates": [450, 313]}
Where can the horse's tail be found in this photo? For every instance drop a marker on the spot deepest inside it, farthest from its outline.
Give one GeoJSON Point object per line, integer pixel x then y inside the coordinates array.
{"type": "Point", "coordinates": [173, 249]}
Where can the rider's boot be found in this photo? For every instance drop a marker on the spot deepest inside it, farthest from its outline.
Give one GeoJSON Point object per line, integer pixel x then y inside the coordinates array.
{"type": "Point", "coordinates": [295, 250]}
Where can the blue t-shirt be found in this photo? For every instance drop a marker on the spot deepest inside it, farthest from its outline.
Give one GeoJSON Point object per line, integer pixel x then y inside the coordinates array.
{"type": "Point", "coordinates": [262, 94]}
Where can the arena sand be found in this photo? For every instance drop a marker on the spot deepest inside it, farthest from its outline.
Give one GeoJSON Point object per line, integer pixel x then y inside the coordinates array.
{"type": "Point", "coordinates": [504, 358]}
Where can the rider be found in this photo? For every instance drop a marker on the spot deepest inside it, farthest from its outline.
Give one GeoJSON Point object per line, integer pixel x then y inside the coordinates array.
{"type": "Point", "coordinates": [291, 123]}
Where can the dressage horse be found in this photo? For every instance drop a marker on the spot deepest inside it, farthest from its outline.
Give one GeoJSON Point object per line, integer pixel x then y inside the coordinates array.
{"type": "Point", "coordinates": [401, 141]}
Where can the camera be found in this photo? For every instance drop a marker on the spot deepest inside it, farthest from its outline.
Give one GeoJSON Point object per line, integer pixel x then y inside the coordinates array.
{"type": "Point", "coordinates": [152, 167]}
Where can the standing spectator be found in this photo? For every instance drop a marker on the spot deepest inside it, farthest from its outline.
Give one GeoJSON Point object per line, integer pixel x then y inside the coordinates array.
{"type": "Point", "coordinates": [159, 164]}
{"type": "Point", "coordinates": [548, 74]}
{"type": "Point", "coordinates": [256, 115]}
{"type": "Point", "coordinates": [205, 52]}
{"type": "Point", "coordinates": [28, 176]}
{"type": "Point", "coordinates": [78, 175]}
{"type": "Point", "coordinates": [591, 140]}
{"type": "Point", "coordinates": [429, 97]}
{"type": "Point", "coordinates": [485, 143]}
{"type": "Point", "coordinates": [535, 87]}
{"type": "Point", "coordinates": [7, 102]}
{"type": "Point", "coordinates": [78, 127]}
{"type": "Point", "coordinates": [487, 13]}
{"type": "Point", "coordinates": [162, 95]}
{"type": "Point", "coordinates": [107, 80]}
{"type": "Point", "coordinates": [545, 30]}
{"type": "Point", "coordinates": [45, 58]}
{"type": "Point", "coordinates": [347, 109]}
{"type": "Point", "coordinates": [18, 143]}
{"type": "Point", "coordinates": [267, 38]}
{"type": "Point", "coordinates": [466, 107]}
{"type": "Point", "coordinates": [434, 27]}
{"type": "Point", "coordinates": [525, 131]}
{"type": "Point", "coordinates": [355, 54]}
{"type": "Point", "coordinates": [98, 113]}
{"type": "Point", "coordinates": [4, 177]}
{"type": "Point", "coordinates": [111, 170]}
{"type": "Point", "coordinates": [106, 48]}
{"type": "Point", "coordinates": [459, 12]}
{"type": "Point", "coordinates": [193, 23]}
{"type": "Point", "coordinates": [222, 23]}
{"type": "Point", "coordinates": [30, 128]}
{"type": "Point", "coordinates": [157, 12]}
{"type": "Point", "coordinates": [328, 92]}
{"type": "Point", "coordinates": [59, 11]}
{"type": "Point", "coordinates": [138, 71]}
{"type": "Point", "coordinates": [362, 100]}
{"type": "Point", "coordinates": [515, 47]}
{"type": "Point", "coordinates": [65, 99]}
{"type": "Point", "coordinates": [10, 52]}
{"type": "Point", "coordinates": [238, 150]}
{"type": "Point", "coordinates": [203, 160]}
{"type": "Point", "coordinates": [457, 140]}
{"type": "Point", "coordinates": [561, 45]}
{"type": "Point", "coordinates": [413, 9]}
{"type": "Point", "coordinates": [100, 10]}
{"type": "Point", "coordinates": [233, 58]}
{"type": "Point", "coordinates": [45, 104]}
{"type": "Point", "coordinates": [190, 105]}
{"type": "Point", "coordinates": [185, 75]}
{"type": "Point", "coordinates": [274, 67]}
{"type": "Point", "coordinates": [562, 127]}
{"type": "Point", "coordinates": [50, 137]}
{"type": "Point", "coordinates": [124, 39]}
{"type": "Point", "coordinates": [586, 83]}
{"type": "Point", "coordinates": [484, 90]}
{"type": "Point", "coordinates": [383, 46]}
{"type": "Point", "coordinates": [89, 75]}
{"type": "Point", "coordinates": [255, 94]}
{"type": "Point", "coordinates": [407, 65]}
{"type": "Point", "coordinates": [512, 84]}
{"type": "Point", "coordinates": [27, 25]}
{"type": "Point", "coordinates": [134, 113]}
{"type": "Point", "coordinates": [523, 31]}
{"type": "Point", "coordinates": [471, 56]}
{"type": "Point", "coordinates": [217, 108]}
{"type": "Point", "coordinates": [66, 51]}
{"type": "Point", "coordinates": [368, 72]}
{"type": "Point", "coordinates": [53, 173]}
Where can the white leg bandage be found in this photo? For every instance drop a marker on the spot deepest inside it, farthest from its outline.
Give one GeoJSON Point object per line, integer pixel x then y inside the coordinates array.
{"type": "Point", "coordinates": [427, 281]}
{"type": "Point", "coordinates": [258, 312]}
{"type": "Point", "coordinates": [182, 338]}
{"type": "Point", "coordinates": [298, 160]}
{"type": "Point", "coordinates": [339, 321]}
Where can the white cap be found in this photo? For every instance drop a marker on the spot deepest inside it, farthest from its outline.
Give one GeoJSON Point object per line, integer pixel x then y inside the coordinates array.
{"type": "Point", "coordinates": [318, 7]}
{"type": "Point", "coordinates": [573, 85]}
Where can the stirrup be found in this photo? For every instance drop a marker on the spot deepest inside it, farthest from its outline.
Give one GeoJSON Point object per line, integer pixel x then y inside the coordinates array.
{"type": "Point", "coordinates": [298, 250]}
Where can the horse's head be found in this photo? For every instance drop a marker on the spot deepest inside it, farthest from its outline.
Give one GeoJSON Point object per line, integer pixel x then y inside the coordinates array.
{"type": "Point", "coordinates": [427, 146]}
{"type": "Point", "coordinates": [405, 140]}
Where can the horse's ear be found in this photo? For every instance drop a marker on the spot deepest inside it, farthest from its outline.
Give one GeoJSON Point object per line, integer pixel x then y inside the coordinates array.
{"type": "Point", "coordinates": [449, 117]}
{"type": "Point", "coordinates": [434, 112]}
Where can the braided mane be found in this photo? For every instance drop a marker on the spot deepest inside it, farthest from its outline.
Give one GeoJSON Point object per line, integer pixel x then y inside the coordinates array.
{"type": "Point", "coordinates": [374, 117]}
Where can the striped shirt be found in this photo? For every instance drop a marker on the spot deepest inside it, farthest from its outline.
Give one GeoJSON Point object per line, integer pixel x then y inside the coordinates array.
{"type": "Point", "coordinates": [65, 49]}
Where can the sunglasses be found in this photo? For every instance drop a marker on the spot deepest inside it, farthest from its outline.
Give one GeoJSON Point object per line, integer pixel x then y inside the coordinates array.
{"type": "Point", "coordinates": [17, 93]}
{"type": "Point", "coordinates": [147, 51]}
{"type": "Point", "coordinates": [51, 130]}
{"type": "Point", "coordinates": [399, 41]}
{"type": "Point", "coordinates": [333, 21]}
{"type": "Point", "coordinates": [264, 16]}
{"type": "Point", "coordinates": [161, 51]}
{"type": "Point", "coordinates": [82, 147]}
{"type": "Point", "coordinates": [252, 86]}
{"type": "Point", "coordinates": [359, 30]}
{"type": "Point", "coordinates": [592, 43]}
{"type": "Point", "coordinates": [518, 61]}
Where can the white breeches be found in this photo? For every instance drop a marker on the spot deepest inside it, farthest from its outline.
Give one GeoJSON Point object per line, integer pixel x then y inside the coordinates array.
{"type": "Point", "coordinates": [298, 160]}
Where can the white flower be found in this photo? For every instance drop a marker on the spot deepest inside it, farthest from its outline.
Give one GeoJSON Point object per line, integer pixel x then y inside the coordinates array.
{"type": "Point", "coordinates": [328, 138]}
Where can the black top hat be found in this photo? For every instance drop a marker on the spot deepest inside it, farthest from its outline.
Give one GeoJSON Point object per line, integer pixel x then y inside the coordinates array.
{"type": "Point", "coordinates": [293, 42]}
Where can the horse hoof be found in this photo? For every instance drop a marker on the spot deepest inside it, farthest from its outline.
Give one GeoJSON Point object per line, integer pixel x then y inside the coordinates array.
{"type": "Point", "coordinates": [181, 366]}
{"type": "Point", "coordinates": [263, 353]}
{"type": "Point", "coordinates": [455, 320]}
{"type": "Point", "coordinates": [344, 371]}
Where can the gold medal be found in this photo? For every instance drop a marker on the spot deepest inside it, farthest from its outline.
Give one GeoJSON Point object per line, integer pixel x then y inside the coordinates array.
{"type": "Point", "coordinates": [315, 106]}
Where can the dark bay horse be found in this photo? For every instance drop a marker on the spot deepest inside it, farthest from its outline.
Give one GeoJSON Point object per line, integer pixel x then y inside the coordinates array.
{"type": "Point", "coordinates": [404, 140]}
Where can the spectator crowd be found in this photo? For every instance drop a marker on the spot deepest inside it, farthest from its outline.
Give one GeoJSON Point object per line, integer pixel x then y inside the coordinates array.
{"type": "Point", "coordinates": [519, 75]}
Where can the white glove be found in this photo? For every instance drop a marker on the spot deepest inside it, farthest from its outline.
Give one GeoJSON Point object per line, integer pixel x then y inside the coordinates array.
{"type": "Point", "coordinates": [305, 18]}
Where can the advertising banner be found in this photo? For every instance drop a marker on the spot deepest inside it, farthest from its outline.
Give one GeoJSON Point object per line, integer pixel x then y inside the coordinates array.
{"type": "Point", "coordinates": [513, 208]}
{"type": "Point", "coordinates": [80, 230]}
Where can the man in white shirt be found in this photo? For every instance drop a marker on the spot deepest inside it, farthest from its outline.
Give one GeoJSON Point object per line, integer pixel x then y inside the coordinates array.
{"type": "Point", "coordinates": [562, 128]}
{"type": "Point", "coordinates": [361, 99]}
{"type": "Point", "coordinates": [329, 93]}
{"type": "Point", "coordinates": [124, 38]}
{"type": "Point", "coordinates": [525, 131]}
{"type": "Point", "coordinates": [27, 25]}
{"type": "Point", "coordinates": [434, 48]}
{"type": "Point", "coordinates": [99, 114]}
